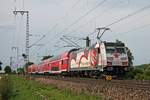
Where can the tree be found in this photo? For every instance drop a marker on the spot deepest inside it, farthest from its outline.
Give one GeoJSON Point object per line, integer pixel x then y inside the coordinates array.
{"type": "Point", "coordinates": [7, 69]}
{"type": "Point", "coordinates": [130, 56]}
{"type": "Point", "coordinates": [0, 65]}
{"type": "Point", "coordinates": [20, 70]}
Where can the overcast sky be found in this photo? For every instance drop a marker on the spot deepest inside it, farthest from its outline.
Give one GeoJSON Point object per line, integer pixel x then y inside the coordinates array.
{"type": "Point", "coordinates": [60, 17]}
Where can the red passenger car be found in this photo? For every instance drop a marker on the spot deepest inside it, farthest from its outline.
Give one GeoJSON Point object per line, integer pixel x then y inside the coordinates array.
{"type": "Point", "coordinates": [54, 65]}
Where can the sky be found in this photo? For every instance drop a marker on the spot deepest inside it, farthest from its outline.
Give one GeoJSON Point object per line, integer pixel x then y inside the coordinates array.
{"type": "Point", "coordinates": [77, 18]}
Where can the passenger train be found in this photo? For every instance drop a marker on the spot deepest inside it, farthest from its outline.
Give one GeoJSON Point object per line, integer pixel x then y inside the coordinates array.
{"type": "Point", "coordinates": [99, 59]}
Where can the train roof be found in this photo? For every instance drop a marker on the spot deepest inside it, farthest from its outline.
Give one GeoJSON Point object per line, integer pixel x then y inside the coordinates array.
{"type": "Point", "coordinates": [117, 43]}
{"type": "Point", "coordinates": [60, 56]}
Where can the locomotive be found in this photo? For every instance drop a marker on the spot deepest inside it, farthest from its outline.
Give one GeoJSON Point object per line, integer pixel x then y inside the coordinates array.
{"type": "Point", "coordinates": [100, 59]}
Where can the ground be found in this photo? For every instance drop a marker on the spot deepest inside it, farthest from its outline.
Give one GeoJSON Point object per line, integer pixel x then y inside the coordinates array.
{"type": "Point", "coordinates": [27, 89]}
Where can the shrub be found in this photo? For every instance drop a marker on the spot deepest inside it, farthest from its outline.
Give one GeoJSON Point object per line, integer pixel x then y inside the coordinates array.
{"type": "Point", "coordinates": [141, 72]}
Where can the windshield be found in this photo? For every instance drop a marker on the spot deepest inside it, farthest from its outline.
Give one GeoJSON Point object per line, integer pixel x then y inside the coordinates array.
{"type": "Point", "coordinates": [111, 50]}
{"type": "Point", "coordinates": [120, 50]}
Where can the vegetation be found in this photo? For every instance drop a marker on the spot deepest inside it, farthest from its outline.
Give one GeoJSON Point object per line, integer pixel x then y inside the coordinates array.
{"type": "Point", "coordinates": [1, 65]}
{"type": "Point", "coordinates": [130, 56]}
{"type": "Point", "coordinates": [7, 69]}
{"type": "Point", "coordinates": [5, 87]}
{"type": "Point", "coordinates": [141, 72]}
{"type": "Point", "coordinates": [20, 70]}
{"type": "Point", "coordinates": [19, 88]}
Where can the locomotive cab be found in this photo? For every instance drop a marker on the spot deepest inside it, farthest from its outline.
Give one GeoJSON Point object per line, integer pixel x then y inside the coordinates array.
{"type": "Point", "coordinates": [117, 58]}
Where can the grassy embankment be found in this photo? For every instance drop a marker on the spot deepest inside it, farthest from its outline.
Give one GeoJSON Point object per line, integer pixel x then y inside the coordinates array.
{"type": "Point", "coordinates": [19, 88]}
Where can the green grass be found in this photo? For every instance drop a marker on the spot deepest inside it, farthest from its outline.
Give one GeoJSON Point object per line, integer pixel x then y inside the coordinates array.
{"type": "Point", "coordinates": [25, 89]}
{"type": "Point", "coordinates": [5, 87]}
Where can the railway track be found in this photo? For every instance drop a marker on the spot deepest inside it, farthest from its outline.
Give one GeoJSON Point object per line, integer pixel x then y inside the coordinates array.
{"type": "Point", "coordinates": [130, 84]}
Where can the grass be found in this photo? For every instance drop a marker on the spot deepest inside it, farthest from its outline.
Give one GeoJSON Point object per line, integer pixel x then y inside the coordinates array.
{"type": "Point", "coordinates": [5, 87]}
{"type": "Point", "coordinates": [25, 89]}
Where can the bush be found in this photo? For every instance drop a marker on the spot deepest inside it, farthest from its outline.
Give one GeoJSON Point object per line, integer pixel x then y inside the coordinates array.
{"type": "Point", "coordinates": [139, 76]}
{"type": "Point", "coordinates": [141, 72]}
{"type": "Point", "coordinates": [147, 73]}
{"type": "Point", "coordinates": [130, 74]}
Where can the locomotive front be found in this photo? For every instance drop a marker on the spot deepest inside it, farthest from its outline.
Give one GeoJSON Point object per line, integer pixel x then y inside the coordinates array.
{"type": "Point", "coordinates": [117, 58]}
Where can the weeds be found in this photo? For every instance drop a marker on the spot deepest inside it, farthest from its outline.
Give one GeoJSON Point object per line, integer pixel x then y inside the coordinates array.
{"type": "Point", "coordinates": [5, 87]}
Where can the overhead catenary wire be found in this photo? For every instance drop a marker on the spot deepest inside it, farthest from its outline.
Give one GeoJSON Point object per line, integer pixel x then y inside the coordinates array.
{"type": "Point", "coordinates": [81, 17]}
{"type": "Point", "coordinates": [53, 27]}
{"type": "Point", "coordinates": [71, 41]}
{"type": "Point", "coordinates": [67, 12]}
{"type": "Point", "coordinates": [99, 15]}
{"type": "Point", "coordinates": [125, 17]}
{"type": "Point", "coordinates": [37, 41]}
{"type": "Point", "coordinates": [131, 30]}
{"type": "Point", "coordinates": [68, 42]}
{"type": "Point", "coordinates": [129, 15]}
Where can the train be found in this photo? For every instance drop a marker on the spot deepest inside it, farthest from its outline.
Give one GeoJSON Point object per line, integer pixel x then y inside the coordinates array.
{"type": "Point", "coordinates": [98, 60]}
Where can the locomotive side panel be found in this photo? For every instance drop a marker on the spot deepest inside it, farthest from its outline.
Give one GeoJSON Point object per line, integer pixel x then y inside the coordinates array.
{"type": "Point", "coordinates": [83, 59]}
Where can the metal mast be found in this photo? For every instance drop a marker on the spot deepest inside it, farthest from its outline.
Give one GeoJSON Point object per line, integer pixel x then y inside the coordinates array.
{"type": "Point", "coordinates": [27, 33]}
{"type": "Point", "coordinates": [27, 38]}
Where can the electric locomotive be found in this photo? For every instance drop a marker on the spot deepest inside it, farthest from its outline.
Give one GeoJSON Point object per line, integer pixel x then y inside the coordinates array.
{"type": "Point", "coordinates": [102, 58]}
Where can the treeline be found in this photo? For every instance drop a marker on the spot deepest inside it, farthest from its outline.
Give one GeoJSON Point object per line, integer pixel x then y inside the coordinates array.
{"type": "Point", "coordinates": [141, 72]}
{"type": "Point", "coordinates": [20, 70]}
